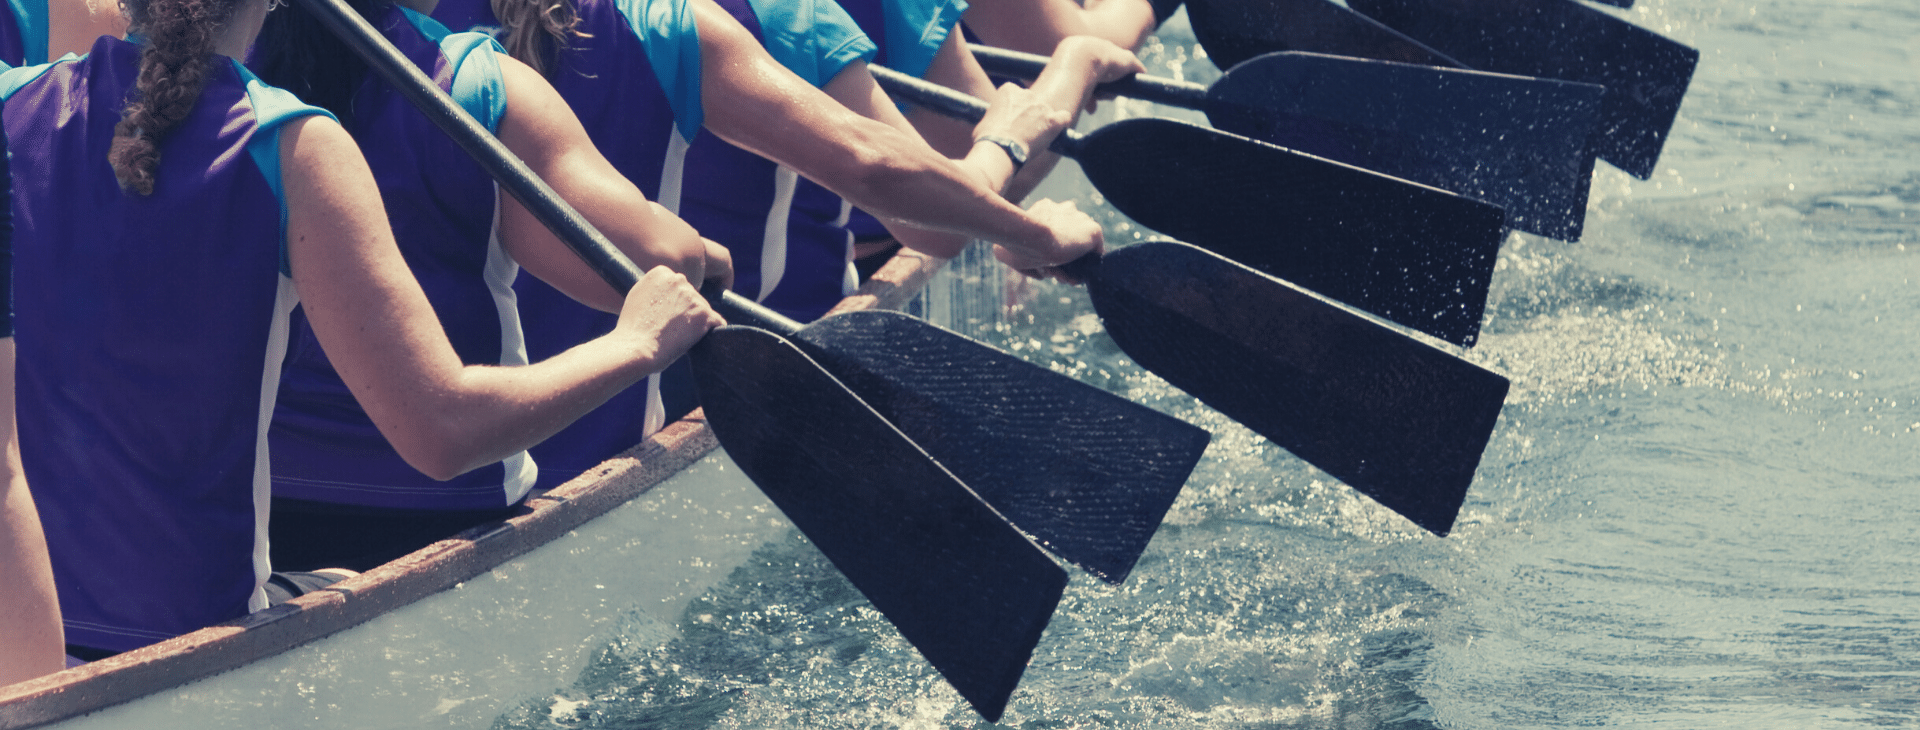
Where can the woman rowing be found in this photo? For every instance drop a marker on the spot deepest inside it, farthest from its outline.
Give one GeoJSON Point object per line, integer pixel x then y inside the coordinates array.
{"type": "Point", "coordinates": [160, 250]}
{"type": "Point", "coordinates": [647, 76]}
{"type": "Point", "coordinates": [342, 496]}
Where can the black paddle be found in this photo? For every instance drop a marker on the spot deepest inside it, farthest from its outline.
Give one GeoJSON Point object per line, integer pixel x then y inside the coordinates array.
{"type": "Point", "coordinates": [970, 591]}
{"type": "Point", "coordinates": [1235, 31]}
{"type": "Point", "coordinates": [1646, 74]}
{"type": "Point", "coordinates": [1402, 421]}
{"type": "Point", "coordinates": [1416, 255]}
{"type": "Point", "coordinates": [1516, 142]}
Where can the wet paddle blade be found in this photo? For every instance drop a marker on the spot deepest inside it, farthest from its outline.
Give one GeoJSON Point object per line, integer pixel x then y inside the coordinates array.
{"type": "Point", "coordinates": [1416, 255]}
{"type": "Point", "coordinates": [1401, 421]}
{"type": "Point", "coordinates": [1646, 75]}
{"type": "Point", "coordinates": [1234, 31]}
{"type": "Point", "coordinates": [1517, 142]}
{"type": "Point", "coordinates": [1085, 472]}
{"type": "Point", "coordinates": [969, 591]}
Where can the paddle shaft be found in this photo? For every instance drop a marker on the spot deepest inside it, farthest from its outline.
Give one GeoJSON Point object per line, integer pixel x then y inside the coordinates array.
{"type": "Point", "coordinates": [1145, 87]}
{"type": "Point", "coordinates": [1157, 89]}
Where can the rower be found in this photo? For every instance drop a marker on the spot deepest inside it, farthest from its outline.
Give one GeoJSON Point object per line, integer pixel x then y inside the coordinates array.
{"type": "Point", "coordinates": [342, 495]}
{"type": "Point", "coordinates": [159, 252]}
{"type": "Point", "coordinates": [647, 77]}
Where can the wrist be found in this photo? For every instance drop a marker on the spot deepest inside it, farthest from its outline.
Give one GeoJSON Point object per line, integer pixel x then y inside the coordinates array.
{"type": "Point", "coordinates": [1015, 150]}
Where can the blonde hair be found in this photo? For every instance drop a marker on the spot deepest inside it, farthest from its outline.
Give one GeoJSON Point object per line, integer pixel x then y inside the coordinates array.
{"type": "Point", "coordinates": [535, 31]}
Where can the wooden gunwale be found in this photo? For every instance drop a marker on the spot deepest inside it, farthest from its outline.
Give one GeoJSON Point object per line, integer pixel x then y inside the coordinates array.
{"type": "Point", "coordinates": [434, 568]}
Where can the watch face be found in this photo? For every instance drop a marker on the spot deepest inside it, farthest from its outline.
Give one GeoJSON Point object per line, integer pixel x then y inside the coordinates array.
{"type": "Point", "coordinates": [1014, 149]}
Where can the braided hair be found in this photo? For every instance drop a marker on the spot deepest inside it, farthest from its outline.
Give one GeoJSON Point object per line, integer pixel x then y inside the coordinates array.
{"type": "Point", "coordinates": [174, 65]}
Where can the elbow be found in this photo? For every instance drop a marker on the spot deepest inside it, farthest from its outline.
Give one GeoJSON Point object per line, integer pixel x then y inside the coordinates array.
{"type": "Point", "coordinates": [439, 462]}
{"type": "Point", "coordinates": [439, 447]}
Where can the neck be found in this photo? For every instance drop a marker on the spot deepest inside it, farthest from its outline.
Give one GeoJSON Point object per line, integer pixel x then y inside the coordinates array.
{"type": "Point", "coordinates": [238, 36]}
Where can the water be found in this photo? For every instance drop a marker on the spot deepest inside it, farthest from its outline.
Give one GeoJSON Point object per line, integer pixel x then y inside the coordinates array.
{"type": "Point", "coordinates": [1695, 511]}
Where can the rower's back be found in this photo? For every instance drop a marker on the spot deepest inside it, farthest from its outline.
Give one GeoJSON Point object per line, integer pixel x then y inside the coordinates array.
{"type": "Point", "coordinates": [148, 368]}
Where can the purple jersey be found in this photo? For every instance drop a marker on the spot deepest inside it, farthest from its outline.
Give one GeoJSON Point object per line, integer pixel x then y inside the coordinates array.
{"type": "Point", "coordinates": [634, 81]}
{"type": "Point", "coordinates": [143, 414]}
{"type": "Point", "coordinates": [442, 207]}
{"type": "Point", "coordinates": [632, 78]}
{"type": "Point", "coordinates": [791, 248]}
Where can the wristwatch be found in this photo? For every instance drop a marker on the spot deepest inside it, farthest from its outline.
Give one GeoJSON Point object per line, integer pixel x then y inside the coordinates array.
{"type": "Point", "coordinates": [1014, 149]}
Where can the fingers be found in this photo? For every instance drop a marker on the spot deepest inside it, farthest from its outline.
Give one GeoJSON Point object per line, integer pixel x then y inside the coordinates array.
{"type": "Point", "coordinates": [719, 263]}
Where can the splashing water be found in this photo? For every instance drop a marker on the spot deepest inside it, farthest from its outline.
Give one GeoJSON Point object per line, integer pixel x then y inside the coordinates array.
{"type": "Point", "coordinates": [1695, 511]}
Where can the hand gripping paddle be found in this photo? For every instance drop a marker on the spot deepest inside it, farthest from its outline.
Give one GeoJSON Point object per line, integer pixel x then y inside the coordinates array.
{"type": "Point", "coordinates": [967, 588]}
{"type": "Point", "coordinates": [1416, 255]}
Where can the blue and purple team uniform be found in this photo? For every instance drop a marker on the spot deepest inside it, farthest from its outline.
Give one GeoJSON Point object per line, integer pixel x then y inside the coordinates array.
{"type": "Point", "coordinates": [907, 34]}
{"type": "Point", "coordinates": [442, 206]}
{"type": "Point", "coordinates": [148, 369]}
{"type": "Point", "coordinates": [634, 82]}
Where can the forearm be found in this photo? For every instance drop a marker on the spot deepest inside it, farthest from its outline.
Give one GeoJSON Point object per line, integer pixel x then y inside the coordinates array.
{"type": "Point", "coordinates": [30, 635]}
{"type": "Point", "coordinates": [490, 413]}
{"type": "Point", "coordinates": [884, 170]}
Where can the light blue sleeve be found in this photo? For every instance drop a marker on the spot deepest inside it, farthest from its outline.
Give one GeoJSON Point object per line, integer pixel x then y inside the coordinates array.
{"type": "Point", "coordinates": [666, 29]}
{"type": "Point", "coordinates": [12, 79]}
{"type": "Point", "coordinates": [273, 108]}
{"type": "Point", "coordinates": [30, 16]}
{"type": "Point", "coordinates": [812, 38]}
{"type": "Point", "coordinates": [477, 84]}
{"type": "Point", "coordinates": [915, 31]}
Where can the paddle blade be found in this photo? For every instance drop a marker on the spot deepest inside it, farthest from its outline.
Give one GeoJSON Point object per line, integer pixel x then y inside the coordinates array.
{"type": "Point", "coordinates": [1517, 142]}
{"type": "Point", "coordinates": [1413, 254]}
{"type": "Point", "coordinates": [964, 587]}
{"type": "Point", "coordinates": [1646, 75]}
{"type": "Point", "coordinates": [1401, 421]}
{"type": "Point", "coordinates": [1234, 31]}
{"type": "Point", "coordinates": [1085, 472]}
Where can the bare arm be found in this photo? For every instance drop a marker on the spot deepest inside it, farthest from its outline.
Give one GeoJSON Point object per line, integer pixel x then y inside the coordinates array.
{"type": "Point", "coordinates": [31, 640]}
{"type": "Point", "coordinates": [445, 418]}
{"type": "Point", "coordinates": [1078, 63]}
{"type": "Point", "coordinates": [541, 129]}
{"type": "Point", "coordinates": [754, 102]}
{"type": "Point", "coordinates": [1037, 26]}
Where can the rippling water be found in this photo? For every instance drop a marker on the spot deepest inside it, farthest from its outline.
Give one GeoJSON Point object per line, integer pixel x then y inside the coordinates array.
{"type": "Point", "coordinates": [1697, 509]}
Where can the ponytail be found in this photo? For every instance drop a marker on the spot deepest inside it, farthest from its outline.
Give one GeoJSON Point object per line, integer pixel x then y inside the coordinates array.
{"type": "Point", "coordinates": [535, 31]}
{"type": "Point", "coordinates": [174, 65]}
{"type": "Point", "coordinates": [297, 53]}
